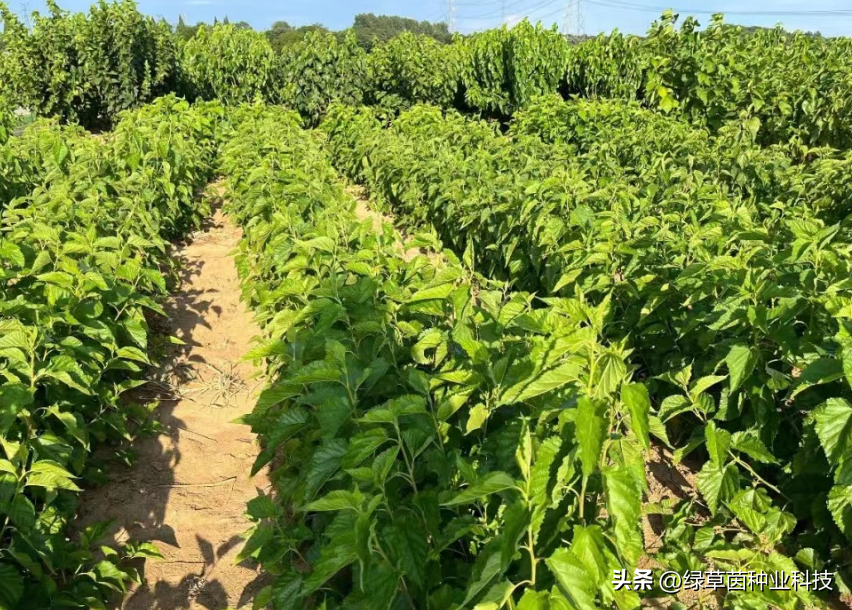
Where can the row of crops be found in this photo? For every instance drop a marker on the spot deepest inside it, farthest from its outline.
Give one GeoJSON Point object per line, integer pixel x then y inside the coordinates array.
{"type": "Point", "coordinates": [716, 271]}
{"type": "Point", "coordinates": [431, 457]}
{"type": "Point", "coordinates": [658, 265]}
{"type": "Point", "coordinates": [453, 441]}
{"type": "Point", "coordinates": [467, 425]}
{"type": "Point", "coordinates": [83, 238]}
{"type": "Point", "coordinates": [88, 68]}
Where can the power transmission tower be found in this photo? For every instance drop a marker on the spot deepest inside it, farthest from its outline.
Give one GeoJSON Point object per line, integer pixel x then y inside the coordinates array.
{"type": "Point", "coordinates": [575, 23]}
{"type": "Point", "coordinates": [451, 15]}
{"type": "Point", "coordinates": [502, 12]}
{"type": "Point", "coordinates": [25, 10]}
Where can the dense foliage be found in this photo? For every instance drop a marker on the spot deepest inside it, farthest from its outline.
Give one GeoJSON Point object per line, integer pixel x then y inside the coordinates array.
{"type": "Point", "coordinates": [444, 438]}
{"type": "Point", "coordinates": [732, 305]}
{"type": "Point", "coordinates": [371, 29]}
{"type": "Point", "coordinates": [86, 68]}
{"type": "Point", "coordinates": [412, 69]}
{"type": "Point", "coordinates": [647, 148]}
{"type": "Point", "coordinates": [628, 244]}
{"type": "Point", "coordinates": [229, 64]}
{"type": "Point", "coordinates": [797, 85]}
{"type": "Point", "coordinates": [320, 70]}
{"type": "Point", "coordinates": [81, 258]}
{"type": "Point", "coordinates": [503, 69]}
{"type": "Point", "coordinates": [281, 35]}
{"type": "Point", "coordinates": [184, 32]}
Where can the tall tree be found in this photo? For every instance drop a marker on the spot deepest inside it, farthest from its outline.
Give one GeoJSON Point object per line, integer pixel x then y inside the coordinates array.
{"type": "Point", "coordinates": [282, 34]}
{"type": "Point", "coordinates": [370, 28]}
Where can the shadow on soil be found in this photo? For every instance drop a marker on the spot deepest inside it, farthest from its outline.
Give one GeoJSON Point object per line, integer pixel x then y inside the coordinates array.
{"type": "Point", "coordinates": [136, 498]}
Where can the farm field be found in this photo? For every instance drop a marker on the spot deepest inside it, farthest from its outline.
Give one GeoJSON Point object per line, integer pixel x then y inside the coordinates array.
{"type": "Point", "coordinates": [501, 322]}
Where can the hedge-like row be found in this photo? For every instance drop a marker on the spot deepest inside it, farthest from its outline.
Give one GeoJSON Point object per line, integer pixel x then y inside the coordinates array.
{"type": "Point", "coordinates": [435, 440]}
{"type": "Point", "coordinates": [789, 87]}
{"type": "Point", "coordinates": [86, 68]}
{"type": "Point", "coordinates": [80, 266]}
{"type": "Point", "coordinates": [735, 308]}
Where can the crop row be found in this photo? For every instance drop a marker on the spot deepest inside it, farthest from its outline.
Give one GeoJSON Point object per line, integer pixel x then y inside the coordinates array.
{"type": "Point", "coordinates": [655, 152]}
{"type": "Point", "coordinates": [735, 309]}
{"type": "Point", "coordinates": [82, 254]}
{"type": "Point", "coordinates": [436, 440]}
{"type": "Point", "coordinates": [90, 67]}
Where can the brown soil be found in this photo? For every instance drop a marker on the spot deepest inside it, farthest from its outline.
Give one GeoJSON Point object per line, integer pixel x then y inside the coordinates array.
{"type": "Point", "coordinates": [188, 491]}
{"type": "Point", "coordinates": [667, 482]}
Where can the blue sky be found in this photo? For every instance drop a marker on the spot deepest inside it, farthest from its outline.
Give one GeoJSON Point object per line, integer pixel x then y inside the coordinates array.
{"type": "Point", "coordinates": [471, 15]}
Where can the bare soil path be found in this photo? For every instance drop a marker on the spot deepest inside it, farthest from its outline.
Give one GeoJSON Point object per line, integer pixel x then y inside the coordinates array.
{"type": "Point", "coordinates": [188, 491]}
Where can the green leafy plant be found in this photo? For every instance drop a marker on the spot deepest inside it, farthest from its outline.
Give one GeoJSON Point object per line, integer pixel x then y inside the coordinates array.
{"type": "Point", "coordinates": [80, 266]}
{"type": "Point", "coordinates": [733, 306]}
{"type": "Point", "coordinates": [230, 64]}
{"type": "Point", "coordinates": [503, 69]}
{"type": "Point", "coordinates": [444, 443]}
{"type": "Point", "coordinates": [412, 69]}
{"type": "Point", "coordinates": [320, 70]}
{"type": "Point", "coordinates": [86, 68]}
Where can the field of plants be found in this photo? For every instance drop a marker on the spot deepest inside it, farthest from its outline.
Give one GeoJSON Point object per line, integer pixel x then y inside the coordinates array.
{"type": "Point", "coordinates": [588, 270]}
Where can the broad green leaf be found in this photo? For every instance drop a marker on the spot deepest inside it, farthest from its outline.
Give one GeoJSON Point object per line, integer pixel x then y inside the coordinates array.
{"type": "Point", "coordinates": [335, 555]}
{"type": "Point", "coordinates": [540, 480]}
{"type": "Point", "coordinates": [11, 587]}
{"type": "Point", "coordinates": [658, 429]}
{"type": "Point", "coordinates": [477, 416]}
{"type": "Point", "coordinates": [624, 506]}
{"type": "Point", "coordinates": [410, 546]}
{"type": "Point", "coordinates": [703, 384]}
{"type": "Point", "coordinates": [435, 292]}
{"type": "Point", "coordinates": [262, 507]}
{"type": "Point", "coordinates": [491, 483]}
{"type": "Point", "coordinates": [834, 428]}
{"type": "Point", "coordinates": [12, 253]}
{"type": "Point", "coordinates": [672, 406]}
{"type": "Point", "coordinates": [515, 522]}
{"type": "Point", "coordinates": [496, 597]}
{"type": "Point", "coordinates": [591, 429]}
{"type": "Point", "coordinates": [490, 570]}
{"type": "Point", "coordinates": [717, 484]}
{"type": "Point", "coordinates": [635, 396]}
{"type": "Point", "coordinates": [336, 500]}
{"type": "Point", "coordinates": [545, 382]}
{"type": "Point", "coordinates": [840, 505]}
{"type": "Point", "coordinates": [741, 361]}
{"type": "Point", "coordinates": [534, 600]}
{"type": "Point", "coordinates": [575, 582]}
{"type": "Point", "coordinates": [324, 462]}
{"type": "Point", "coordinates": [612, 371]}
{"type": "Point", "coordinates": [718, 443]}
{"type": "Point", "coordinates": [750, 444]}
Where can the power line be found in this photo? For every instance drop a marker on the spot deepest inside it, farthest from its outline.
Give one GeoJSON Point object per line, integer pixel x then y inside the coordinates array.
{"type": "Point", "coordinates": [659, 9]}
{"type": "Point", "coordinates": [526, 11]}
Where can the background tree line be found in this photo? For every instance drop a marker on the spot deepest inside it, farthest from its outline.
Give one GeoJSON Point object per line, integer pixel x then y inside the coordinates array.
{"type": "Point", "coordinates": [367, 28]}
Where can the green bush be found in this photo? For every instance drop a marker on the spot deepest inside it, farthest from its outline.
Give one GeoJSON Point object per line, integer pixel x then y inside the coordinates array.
{"type": "Point", "coordinates": [320, 70]}
{"type": "Point", "coordinates": [230, 64]}
{"type": "Point", "coordinates": [81, 260]}
{"type": "Point", "coordinates": [413, 69]}
{"type": "Point", "coordinates": [504, 69]}
{"type": "Point", "coordinates": [86, 68]}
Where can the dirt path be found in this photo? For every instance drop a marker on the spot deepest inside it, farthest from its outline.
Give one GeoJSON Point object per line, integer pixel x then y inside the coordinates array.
{"type": "Point", "coordinates": [188, 491]}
